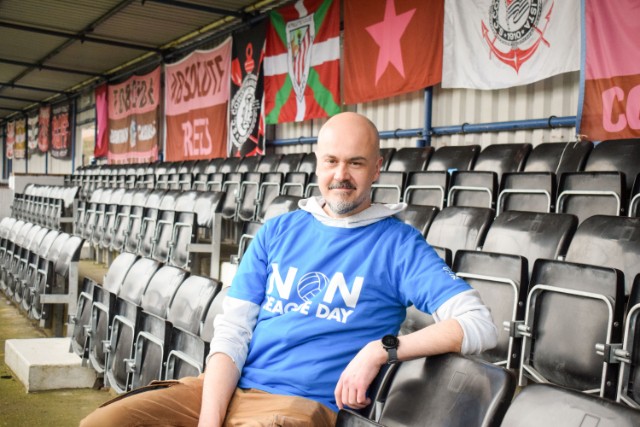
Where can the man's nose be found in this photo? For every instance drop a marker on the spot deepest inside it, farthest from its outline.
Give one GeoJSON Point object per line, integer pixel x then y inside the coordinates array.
{"type": "Point", "coordinates": [341, 172]}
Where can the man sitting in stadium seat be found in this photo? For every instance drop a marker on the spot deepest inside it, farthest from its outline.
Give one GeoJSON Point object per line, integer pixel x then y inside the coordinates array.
{"type": "Point", "coordinates": [313, 310]}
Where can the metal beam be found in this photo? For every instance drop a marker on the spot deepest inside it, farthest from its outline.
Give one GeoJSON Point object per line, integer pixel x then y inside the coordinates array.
{"type": "Point", "coordinates": [82, 36]}
{"type": "Point", "coordinates": [198, 7]}
{"type": "Point", "coordinates": [10, 109]}
{"type": "Point", "coordinates": [26, 87]}
{"type": "Point", "coordinates": [15, 98]}
{"type": "Point", "coordinates": [48, 67]}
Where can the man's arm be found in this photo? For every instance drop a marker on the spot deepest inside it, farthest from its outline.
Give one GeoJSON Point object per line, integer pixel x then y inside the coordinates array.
{"type": "Point", "coordinates": [351, 390]}
{"type": "Point", "coordinates": [229, 347]}
{"type": "Point", "coordinates": [464, 325]}
{"type": "Point", "coordinates": [220, 380]}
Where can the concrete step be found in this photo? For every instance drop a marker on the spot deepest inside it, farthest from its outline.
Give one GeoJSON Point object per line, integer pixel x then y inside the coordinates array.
{"type": "Point", "coordinates": [46, 364]}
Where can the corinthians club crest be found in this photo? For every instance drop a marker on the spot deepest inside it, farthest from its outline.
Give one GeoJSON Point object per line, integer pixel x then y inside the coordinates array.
{"type": "Point", "coordinates": [245, 107]}
{"type": "Point", "coordinates": [515, 29]}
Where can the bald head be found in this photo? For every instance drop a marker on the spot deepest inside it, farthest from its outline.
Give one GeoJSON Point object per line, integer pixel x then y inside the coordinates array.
{"type": "Point", "coordinates": [348, 123]}
{"type": "Point", "coordinates": [349, 161]}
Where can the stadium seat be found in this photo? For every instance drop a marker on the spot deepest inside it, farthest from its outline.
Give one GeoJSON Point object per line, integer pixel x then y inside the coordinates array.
{"type": "Point", "coordinates": [150, 221]}
{"type": "Point", "coordinates": [153, 330]}
{"type": "Point", "coordinates": [454, 157]}
{"type": "Point", "coordinates": [616, 155]}
{"type": "Point", "coordinates": [118, 344]}
{"type": "Point", "coordinates": [531, 235]}
{"type": "Point", "coordinates": [552, 406]}
{"type": "Point", "coordinates": [608, 241]}
{"type": "Point", "coordinates": [585, 194]}
{"type": "Point", "coordinates": [409, 159]}
{"type": "Point", "coordinates": [386, 154]}
{"type": "Point", "coordinates": [419, 217]}
{"type": "Point", "coordinates": [44, 276]}
{"type": "Point", "coordinates": [527, 191]}
{"type": "Point", "coordinates": [457, 227]}
{"type": "Point", "coordinates": [501, 280]}
{"type": "Point", "coordinates": [37, 261]}
{"type": "Point", "coordinates": [627, 353]}
{"type": "Point", "coordinates": [571, 308]}
{"type": "Point", "coordinates": [502, 158]}
{"type": "Point", "coordinates": [187, 315]}
{"type": "Point", "coordinates": [473, 188]}
{"type": "Point", "coordinates": [103, 303]}
{"type": "Point", "coordinates": [558, 158]}
{"type": "Point", "coordinates": [388, 188]}
{"type": "Point", "coordinates": [427, 188]}
{"type": "Point", "coordinates": [447, 390]}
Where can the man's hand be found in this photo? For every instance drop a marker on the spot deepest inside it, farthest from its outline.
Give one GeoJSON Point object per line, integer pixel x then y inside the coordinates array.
{"type": "Point", "coordinates": [352, 386]}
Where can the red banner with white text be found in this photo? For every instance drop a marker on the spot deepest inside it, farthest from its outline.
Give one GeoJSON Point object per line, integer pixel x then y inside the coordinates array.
{"type": "Point", "coordinates": [133, 119]}
{"type": "Point", "coordinates": [611, 108]}
{"type": "Point", "coordinates": [196, 101]}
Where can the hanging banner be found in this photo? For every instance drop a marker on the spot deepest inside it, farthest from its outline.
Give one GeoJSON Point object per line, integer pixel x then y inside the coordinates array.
{"type": "Point", "coordinates": [20, 144]}
{"type": "Point", "coordinates": [33, 131]}
{"type": "Point", "coordinates": [10, 138]}
{"type": "Point", "coordinates": [391, 47]}
{"type": "Point", "coordinates": [133, 119]}
{"type": "Point", "coordinates": [197, 98]}
{"type": "Point", "coordinates": [102, 122]}
{"type": "Point", "coordinates": [302, 62]}
{"type": "Point", "coordinates": [611, 108]}
{"type": "Point", "coordinates": [44, 135]}
{"type": "Point", "coordinates": [246, 121]}
{"type": "Point", "coordinates": [493, 44]}
{"type": "Point", "coordinates": [60, 132]}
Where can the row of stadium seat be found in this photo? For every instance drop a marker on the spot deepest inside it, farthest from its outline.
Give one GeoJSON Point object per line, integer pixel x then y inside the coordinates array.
{"type": "Point", "coordinates": [46, 205]}
{"type": "Point", "coordinates": [456, 391]}
{"type": "Point", "coordinates": [39, 268]}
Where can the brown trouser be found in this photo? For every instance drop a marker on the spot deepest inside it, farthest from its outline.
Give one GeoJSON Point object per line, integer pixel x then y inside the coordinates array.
{"type": "Point", "coordinates": [177, 403]}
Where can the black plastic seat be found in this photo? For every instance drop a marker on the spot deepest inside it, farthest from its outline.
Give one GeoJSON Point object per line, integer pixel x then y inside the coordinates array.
{"type": "Point", "coordinates": [570, 309]}
{"type": "Point", "coordinates": [473, 188]}
{"type": "Point", "coordinates": [527, 191]}
{"type": "Point", "coordinates": [634, 198]}
{"type": "Point", "coordinates": [558, 158]}
{"type": "Point", "coordinates": [454, 157]}
{"type": "Point", "coordinates": [389, 187]}
{"type": "Point", "coordinates": [37, 261]}
{"type": "Point", "coordinates": [428, 188]}
{"type": "Point", "coordinates": [502, 158]}
{"type": "Point", "coordinates": [153, 336]}
{"type": "Point", "coordinates": [457, 227]}
{"type": "Point", "coordinates": [608, 241]}
{"type": "Point", "coordinates": [531, 235]}
{"type": "Point", "coordinates": [552, 406]}
{"type": "Point", "coordinates": [622, 155]}
{"type": "Point", "coordinates": [409, 159]}
{"type": "Point", "coordinates": [447, 390]}
{"type": "Point", "coordinates": [118, 345]}
{"type": "Point", "coordinates": [186, 350]}
{"type": "Point", "coordinates": [419, 217]}
{"type": "Point", "coordinates": [501, 280]}
{"type": "Point", "coordinates": [585, 194]}
{"type": "Point", "coordinates": [386, 154]}
{"type": "Point", "coordinates": [628, 353]}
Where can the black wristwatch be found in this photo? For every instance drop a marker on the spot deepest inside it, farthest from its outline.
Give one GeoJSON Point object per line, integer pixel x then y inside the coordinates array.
{"type": "Point", "coordinates": [390, 343]}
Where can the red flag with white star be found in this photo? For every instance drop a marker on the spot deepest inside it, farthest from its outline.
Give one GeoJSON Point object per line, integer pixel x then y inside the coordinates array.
{"type": "Point", "coordinates": [391, 47]}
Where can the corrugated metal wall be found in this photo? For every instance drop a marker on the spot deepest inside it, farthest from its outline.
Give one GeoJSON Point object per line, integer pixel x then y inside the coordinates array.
{"type": "Point", "coordinates": [556, 96]}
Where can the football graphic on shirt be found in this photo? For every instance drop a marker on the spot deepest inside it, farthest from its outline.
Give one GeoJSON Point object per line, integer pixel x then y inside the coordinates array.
{"type": "Point", "coordinates": [311, 284]}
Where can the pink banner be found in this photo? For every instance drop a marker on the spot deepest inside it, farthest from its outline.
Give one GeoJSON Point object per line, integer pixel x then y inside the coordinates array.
{"type": "Point", "coordinates": [44, 117]}
{"type": "Point", "coordinates": [20, 144]}
{"type": "Point", "coordinates": [60, 133]}
{"type": "Point", "coordinates": [102, 122]}
{"type": "Point", "coordinates": [611, 108]}
{"type": "Point", "coordinates": [133, 119]}
{"type": "Point", "coordinates": [197, 96]}
{"type": "Point", "coordinates": [10, 136]}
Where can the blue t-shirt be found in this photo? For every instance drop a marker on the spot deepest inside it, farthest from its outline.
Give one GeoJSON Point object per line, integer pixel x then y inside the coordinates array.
{"type": "Point", "coordinates": [325, 292]}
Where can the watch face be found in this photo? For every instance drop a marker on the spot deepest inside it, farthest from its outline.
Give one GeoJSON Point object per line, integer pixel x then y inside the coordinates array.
{"type": "Point", "coordinates": [390, 341]}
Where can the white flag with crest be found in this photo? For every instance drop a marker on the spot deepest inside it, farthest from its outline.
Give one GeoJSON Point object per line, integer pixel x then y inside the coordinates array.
{"type": "Point", "coordinates": [494, 44]}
